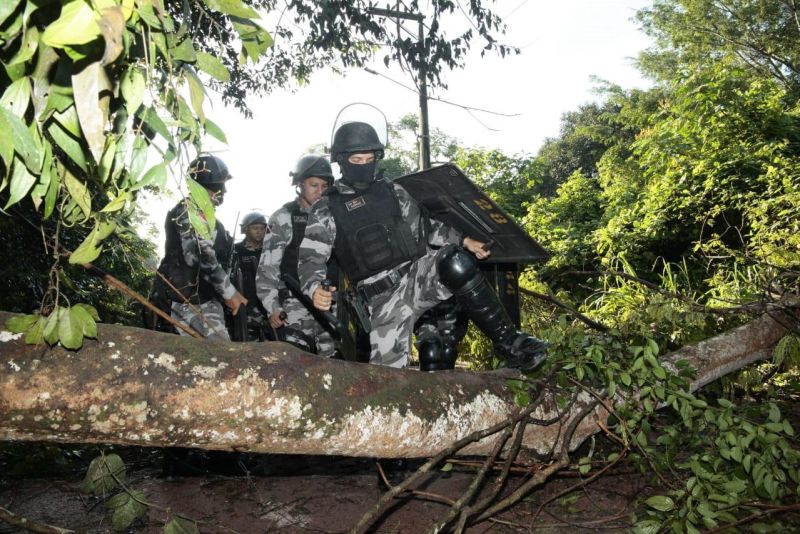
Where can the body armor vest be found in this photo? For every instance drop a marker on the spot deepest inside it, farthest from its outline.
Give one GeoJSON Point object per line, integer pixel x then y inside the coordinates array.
{"type": "Point", "coordinates": [291, 253]}
{"type": "Point", "coordinates": [247, 263]}
{"type": "Point", "coordinates": [371, 234]}
{"type": "Point", "coordinates": [187, 280]}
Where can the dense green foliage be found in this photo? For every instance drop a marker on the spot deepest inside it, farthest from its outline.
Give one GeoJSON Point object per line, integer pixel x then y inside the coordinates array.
{"type": "Point", "coordinates": [665, 210]}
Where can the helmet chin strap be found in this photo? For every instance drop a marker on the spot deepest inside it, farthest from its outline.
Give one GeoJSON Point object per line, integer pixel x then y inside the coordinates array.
{"type": "Point", "coordinates": [358, 176]}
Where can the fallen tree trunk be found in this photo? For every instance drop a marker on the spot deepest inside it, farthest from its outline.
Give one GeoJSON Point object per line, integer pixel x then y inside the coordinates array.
{"type": "Point", "coordinates": [139, 387]}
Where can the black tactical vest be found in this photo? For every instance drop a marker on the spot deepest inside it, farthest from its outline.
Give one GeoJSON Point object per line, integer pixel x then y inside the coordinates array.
{"type": "Point", "coordinates": [186, 279]}
{"type": "Point", "coordinates": [247, 262]}
{"type": "Point", "coordinates": [291, 253]}
{"type": "Point", "coordinates": [371, 234]}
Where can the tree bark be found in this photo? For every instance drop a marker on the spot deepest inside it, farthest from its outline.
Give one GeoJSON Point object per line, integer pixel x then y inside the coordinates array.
{"type": "Point", "coordinates": [139, 387]}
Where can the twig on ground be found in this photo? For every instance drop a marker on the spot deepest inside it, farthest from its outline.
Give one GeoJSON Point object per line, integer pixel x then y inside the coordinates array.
{"type": "Point", "coordinates": [753, 517]}
{"type": "Point", "coordinates": [372, 513]}
{"type": "Point", "coordinates": [32, 526]}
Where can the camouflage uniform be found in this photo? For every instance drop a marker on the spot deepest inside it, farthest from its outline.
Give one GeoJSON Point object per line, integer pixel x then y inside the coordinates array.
{"type": "Point", "coordinates": [393, 312]}
{"type": "Point", "coordinates": [275, 295]}
{"type": "Point", "coordinates": [206, 316]}
{"type": "Point", "coordinates": [246, 258]}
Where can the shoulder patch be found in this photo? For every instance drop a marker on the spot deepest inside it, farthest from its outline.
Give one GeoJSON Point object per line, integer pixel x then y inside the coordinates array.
{"type": "Point", "coordinates": [356, 203]}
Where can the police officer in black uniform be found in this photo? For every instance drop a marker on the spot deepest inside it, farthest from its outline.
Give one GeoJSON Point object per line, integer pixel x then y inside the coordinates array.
{"type": "Point", "coordinates": [400, 261]}
{"type": "Point", "coordinates": [195, 266]}
{"type": "Point", "coordinates": [246, 256]}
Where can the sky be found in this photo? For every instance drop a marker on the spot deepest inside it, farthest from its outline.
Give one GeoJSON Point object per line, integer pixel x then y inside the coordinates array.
{"type": "Point", "coordinates": [564, 45]}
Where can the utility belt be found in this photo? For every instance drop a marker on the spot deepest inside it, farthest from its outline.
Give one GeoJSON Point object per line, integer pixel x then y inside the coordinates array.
{"type": "Point", "coordinates": [380, 286]}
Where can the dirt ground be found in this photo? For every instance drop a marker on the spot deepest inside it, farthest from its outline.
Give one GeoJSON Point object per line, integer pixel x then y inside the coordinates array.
{"type": "Point", "coordinates": [269, 493]}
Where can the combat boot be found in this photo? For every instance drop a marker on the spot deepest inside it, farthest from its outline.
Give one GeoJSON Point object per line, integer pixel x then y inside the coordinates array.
{"type": "Point", "coordinates": [435, 355]}
{"type": "Point", "coordinates": [459, 272]}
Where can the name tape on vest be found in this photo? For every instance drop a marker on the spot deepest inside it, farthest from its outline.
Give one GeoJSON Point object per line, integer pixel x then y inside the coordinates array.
{"type": "Point", "coordinates": [355, 203]}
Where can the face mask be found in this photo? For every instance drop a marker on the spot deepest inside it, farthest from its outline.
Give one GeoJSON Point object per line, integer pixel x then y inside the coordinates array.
{"type": "Point", "coordinates": [358, 176]}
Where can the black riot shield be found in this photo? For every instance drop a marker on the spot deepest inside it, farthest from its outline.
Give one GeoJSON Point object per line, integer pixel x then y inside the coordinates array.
{"type": "Point", "coordinates": [452, 198]}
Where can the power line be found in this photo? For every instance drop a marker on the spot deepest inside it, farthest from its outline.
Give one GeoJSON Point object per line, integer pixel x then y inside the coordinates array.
{"type": "Point", "coordinates": [443, 101]}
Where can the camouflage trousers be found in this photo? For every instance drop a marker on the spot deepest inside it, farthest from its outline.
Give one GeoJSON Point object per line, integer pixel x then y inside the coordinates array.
{"type": "Point", "coordinates": [209, 322]}
{"type": "Point", "coordinates": [298, 318]}
{"type": "Point", "coordinates": [394, 312]}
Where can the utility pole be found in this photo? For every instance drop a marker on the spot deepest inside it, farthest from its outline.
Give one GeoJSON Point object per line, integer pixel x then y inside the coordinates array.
{"type": "Point", "coordinates": [425, 136]}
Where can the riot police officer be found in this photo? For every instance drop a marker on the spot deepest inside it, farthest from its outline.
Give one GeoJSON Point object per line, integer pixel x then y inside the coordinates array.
{"type": "Point", "coordinates": [387, 248]}
{"type": "Point", "coordinates": [193, 265]}
{"type": "Point", "coordinates": [291, 319]}
{"type": "Point", "coordinates": [246, 256]}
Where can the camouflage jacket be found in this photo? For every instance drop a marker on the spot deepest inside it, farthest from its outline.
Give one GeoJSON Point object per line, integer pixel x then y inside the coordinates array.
{"type": "Point", "coordinates": [268, 277]}
{"type": "Point", "coordinates": [198, 253]}
{"type": "Point", "coordinates": [320, 236]}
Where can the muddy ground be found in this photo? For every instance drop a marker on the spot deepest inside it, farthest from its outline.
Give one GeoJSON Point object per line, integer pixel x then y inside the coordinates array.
{"type": "Point", "coordinates": [271, 493]}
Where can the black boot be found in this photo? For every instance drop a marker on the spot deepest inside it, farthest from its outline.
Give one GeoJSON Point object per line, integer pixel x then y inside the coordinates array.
{"type": "Point", "coordinates": [434, 355]}
{"type": "Point", "coordinates": [459, 272]}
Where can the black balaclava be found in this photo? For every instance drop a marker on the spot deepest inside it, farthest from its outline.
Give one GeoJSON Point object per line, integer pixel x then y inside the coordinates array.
{"type": "Point", "coordinates": [359, 177]}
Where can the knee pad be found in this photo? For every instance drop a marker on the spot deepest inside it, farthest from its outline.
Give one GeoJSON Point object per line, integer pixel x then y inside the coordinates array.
{"type": "Point", "coordinates": [458, 269]}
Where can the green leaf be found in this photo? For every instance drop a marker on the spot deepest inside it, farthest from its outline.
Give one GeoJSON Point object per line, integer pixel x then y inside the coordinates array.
{"type": "Point", "coordinates": [22, 323]}
{"type": "Point", "coordinates": [89, 310]}
{"type": "Point", "coordinates": [50, 331]}
{"type": "Point", "coordinates": [92, 110]}
{"type": "Point", "coordinates": [150, 117]}
{"type": "Point", "coordinates": [68, 120]}
{"type": "Point", "coordinates": [76, 25]}
{"type": "Point", "coordinates": [626, 379]}
{"type": "Point", "coordinates": [28, 48]}
{"type": "Point", "coordinates": [649, 526]}
{"type": "Point", "coordinates": [204, 221]}
{"type": "Point", "coordinates": [21, 183]}
{"type": "Point", "coordinates": [117, 203]}
{"type": "Point", "coordinates": [52, 194]}
{"type": "Point", "coordinates": [127, 508]}
{"type": "Point", "coordinates": [774, 413]}
{"type": "Point", "coordinates": [14, 135]}
{"type": "Point", "coordinates": [103, 473]}
{"type": "Point", "coordinates": [43, 183]}
{"type": "Point", "coordinates": [180, 525]}
{"type": "Point", "coordinates": [584, 465]}
{"type": "Point", "coordinates": [446, 468]}
{"type": "Point", "coordinates": [181, 50]}
{"type": "Point", "coordinates": [17, 97]}
{"type": "Point", "coordinates": [80, 194]}
{"type": "Point", "coordinates": [68, 145]}
{"type": "Point", "coordinates": [81, 318]}
{"type": "Point", "coordinates": [659, 372]}
{"type": "Point", "coordinates": [255, 39]}
{"type": "Point", "coordinates": [155, 175]}
{"type": "Point", "coordinates": [70, 333]}
{"type": "Point", "coordinates": [196, 94]}
{"type": "Point", "coordinates": [213, 66]}
{"type": "Point", "coordinates": [7, 7]}
{"type": "Point", "coordinates": [132, 86]}
{"type": "Point", "coordinates": [215, 131]}
{"type": "Point", "coordinates": [35, 334]}
{"type": "Point", "coordinates": [662, 503]}
{"type": "Point", "coordinates": [232, 7]}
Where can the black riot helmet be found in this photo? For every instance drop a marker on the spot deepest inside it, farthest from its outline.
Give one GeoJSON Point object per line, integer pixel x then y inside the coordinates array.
{"type": "Point", "coordinates": [312, 165]}
{"type": "Point", "coordinates": [353, 138]}
{"type": "Point", "coordinates": [209, 171]}
{"type": "Point", "coordinates": [252, 218]}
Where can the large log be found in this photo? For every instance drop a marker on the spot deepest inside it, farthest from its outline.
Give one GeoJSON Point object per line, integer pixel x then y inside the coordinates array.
{"type": "Point", "coordinates": [139, 387]}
